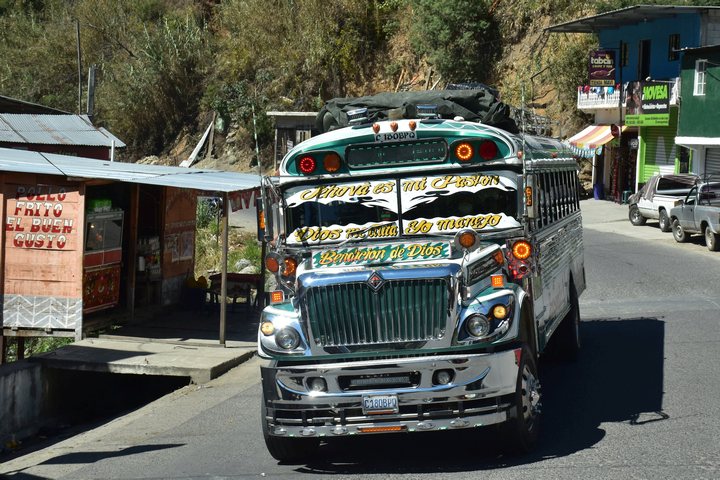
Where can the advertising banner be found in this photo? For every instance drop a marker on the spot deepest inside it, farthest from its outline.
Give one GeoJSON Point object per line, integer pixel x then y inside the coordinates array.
{"type": "Point", "coordinates": [601, 68]}
{"type": "Point", "coordinates": [647, 104]}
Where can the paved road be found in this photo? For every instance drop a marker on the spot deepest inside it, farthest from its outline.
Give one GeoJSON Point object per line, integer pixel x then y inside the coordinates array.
{"type": "Point", "coordinates": [643, 401]}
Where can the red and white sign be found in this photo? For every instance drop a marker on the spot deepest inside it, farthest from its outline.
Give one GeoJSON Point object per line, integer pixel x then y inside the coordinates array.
{"type": "Point", "coordinates": [42, 217]}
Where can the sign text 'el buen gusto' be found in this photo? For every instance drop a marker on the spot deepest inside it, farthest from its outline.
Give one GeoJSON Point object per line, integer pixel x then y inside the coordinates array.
{"type": "Point", "coordinates": [38, 216]}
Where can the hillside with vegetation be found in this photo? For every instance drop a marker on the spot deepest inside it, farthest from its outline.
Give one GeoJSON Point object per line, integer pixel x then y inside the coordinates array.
{"type": "Point", "coordinates": [166, 68]}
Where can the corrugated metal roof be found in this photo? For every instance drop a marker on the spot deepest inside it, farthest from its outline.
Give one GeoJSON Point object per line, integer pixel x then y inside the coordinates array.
{"type": "Point", "coordinates": [53, 130]}
{"type": "Point", "coordinates": [14, 105]}
{"type": "Point", "coordinates": [24, 161]}
{"type": "Point", "coordinates": [625, 16]}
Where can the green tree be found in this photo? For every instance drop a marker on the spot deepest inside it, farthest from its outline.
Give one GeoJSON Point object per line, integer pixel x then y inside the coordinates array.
{"type": "Point", "coordinates": [38, 55]}
{"type": "Point", "coordinates": [149, 94]}
{"type": "Point", "coordinates": [459, 38]}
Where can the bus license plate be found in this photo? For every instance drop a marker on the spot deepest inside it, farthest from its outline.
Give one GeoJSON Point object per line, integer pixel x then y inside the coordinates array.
{"type": "Point", "coordinates": [380, 404]}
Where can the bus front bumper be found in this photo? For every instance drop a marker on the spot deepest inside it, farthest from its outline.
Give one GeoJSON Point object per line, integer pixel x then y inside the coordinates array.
{"type": "Point", "coordinates": [396, 395]}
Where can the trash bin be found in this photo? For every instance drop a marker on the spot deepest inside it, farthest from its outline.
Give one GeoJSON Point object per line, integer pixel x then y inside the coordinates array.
{"type": "Point", "coordinates": [599, 191]}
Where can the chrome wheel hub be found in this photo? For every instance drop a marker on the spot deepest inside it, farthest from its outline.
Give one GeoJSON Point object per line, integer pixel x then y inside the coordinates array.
{"type": "Point", "coordinates": [530, 395]}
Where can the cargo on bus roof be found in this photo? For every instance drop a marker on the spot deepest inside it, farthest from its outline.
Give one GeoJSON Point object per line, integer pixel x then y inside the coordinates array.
{"type": "Point", "coordinates": [475, 105]}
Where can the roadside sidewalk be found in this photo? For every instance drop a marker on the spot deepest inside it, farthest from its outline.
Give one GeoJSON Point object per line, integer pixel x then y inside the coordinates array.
{"type": "Point", "coordinates": [157, 422]}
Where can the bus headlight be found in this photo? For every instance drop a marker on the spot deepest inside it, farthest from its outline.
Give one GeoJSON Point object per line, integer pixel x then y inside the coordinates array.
{"type": "Point", "coordinates": [287, 338]}
{"type": "Point", "coordinates": [478, 325]}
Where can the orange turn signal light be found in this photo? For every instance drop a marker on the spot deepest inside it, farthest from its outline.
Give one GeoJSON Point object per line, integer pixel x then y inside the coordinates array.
{"type": "Point", "coordinates": [497, 281]}
{"type": "Point", "coordinates": [388, 428]}
{"type": "Point", "coordinates": [277, 296]}
{"type": "Point", "coordinates": [331, 162]}
{"type": "Point", "coordinates": [467, 239]}
{"type": "Point", "coordinates": [290, 266]}
{"type": "Point", "coordinates": [499, 258]}
{"type": "Point", "coordinates": [521, 249]}
{"type": "Point", "coordinates": [464, 152]}
{"type": "Point", "coordinates": [271, 263]}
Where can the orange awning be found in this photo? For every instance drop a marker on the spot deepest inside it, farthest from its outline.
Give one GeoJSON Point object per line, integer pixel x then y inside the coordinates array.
{"type": "Point", "coordinates": [592, 136]}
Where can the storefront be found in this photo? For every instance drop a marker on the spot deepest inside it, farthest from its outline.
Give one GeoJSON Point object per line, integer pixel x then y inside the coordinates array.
{"type": "Point", "coordinates": [85, 236]}
{"type": "Point", "coordinates": [613, 159]}
{"type": "Point", "coordinates": [658, 151]}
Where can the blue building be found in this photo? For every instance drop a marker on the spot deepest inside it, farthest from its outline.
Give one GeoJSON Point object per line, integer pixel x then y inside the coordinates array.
{"type": "Point", "coordinates": [648, 43]}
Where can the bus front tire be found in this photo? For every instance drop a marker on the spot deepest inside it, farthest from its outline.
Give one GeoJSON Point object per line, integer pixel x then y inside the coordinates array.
{"type": "Point", "coordinates": [522, 429]}
{"type": "Point", "coordinates": [288, 449]}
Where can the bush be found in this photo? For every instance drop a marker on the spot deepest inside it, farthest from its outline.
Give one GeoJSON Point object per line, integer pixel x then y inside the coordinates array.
{"type": "Point", "coordinates": [459, 38]}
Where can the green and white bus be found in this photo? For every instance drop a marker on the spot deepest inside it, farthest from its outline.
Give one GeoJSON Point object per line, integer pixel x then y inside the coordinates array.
{"type": "Point", "coordinates": [423, 265]}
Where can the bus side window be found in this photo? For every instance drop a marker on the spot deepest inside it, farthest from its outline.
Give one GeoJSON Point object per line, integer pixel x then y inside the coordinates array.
{"type": "Point", "coordinates": [541, 200]}
{"type": "Point", "coordinates": [574, 182]}
{"type": "Point", "coordinates": [561, 194]}
{"type": "Point", "coordinates": [548, 198]}
{"type": "Point", "coordinates": [554, 197]}
{"type": "Point", "coordinates": [566, 192]}
{"type": "Point", "coordinates": [545, 199]}
{"type": "Point", "coordinates": [577, 190]}
{"type": "Point", "coordinates": [563, 198]}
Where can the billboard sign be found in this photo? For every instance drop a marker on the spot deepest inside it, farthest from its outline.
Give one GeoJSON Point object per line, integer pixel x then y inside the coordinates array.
{"type": "Point", "coordinates": [601, 68]}
{"type": "Point", "coordinates": [647, 104]}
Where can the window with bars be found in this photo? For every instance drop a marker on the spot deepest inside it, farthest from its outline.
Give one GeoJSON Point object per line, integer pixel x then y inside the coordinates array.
{"type": "Point", "coordinates": [623, 54]}
{"type": "Point", "coordinates": [673, 46]}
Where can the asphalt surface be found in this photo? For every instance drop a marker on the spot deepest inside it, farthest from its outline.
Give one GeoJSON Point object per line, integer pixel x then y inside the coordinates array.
{"type": "Point", "coordinates": [642, 402]}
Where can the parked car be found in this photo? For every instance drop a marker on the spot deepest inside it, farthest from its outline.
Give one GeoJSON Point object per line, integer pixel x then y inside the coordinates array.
{"type": "Point", "coordinates": [658, 196]}
{"type": "Point", "coordinates": [698, 213]}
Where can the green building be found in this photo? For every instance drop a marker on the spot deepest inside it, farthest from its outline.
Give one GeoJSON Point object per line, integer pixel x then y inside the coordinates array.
{"type": "Point", "coordinates": [698, 125]}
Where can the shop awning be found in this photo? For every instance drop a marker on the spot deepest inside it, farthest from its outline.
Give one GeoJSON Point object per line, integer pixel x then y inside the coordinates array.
{"type": "Point", "coordinates": [24, 161]}
{"type": "Point", "coordinates": [590, 140]}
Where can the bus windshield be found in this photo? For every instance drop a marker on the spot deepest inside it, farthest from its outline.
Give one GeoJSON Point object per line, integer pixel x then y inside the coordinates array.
{"type": "Point", "coordinates": [409, 206]}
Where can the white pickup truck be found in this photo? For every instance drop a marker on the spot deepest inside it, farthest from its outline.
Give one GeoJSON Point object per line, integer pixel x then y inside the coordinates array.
{"type": "Point", "coordinates": [658, 196]}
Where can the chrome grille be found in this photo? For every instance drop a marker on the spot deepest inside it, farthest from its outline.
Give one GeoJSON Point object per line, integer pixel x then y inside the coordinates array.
{"type": "Point", "coordinates": [350, 314]}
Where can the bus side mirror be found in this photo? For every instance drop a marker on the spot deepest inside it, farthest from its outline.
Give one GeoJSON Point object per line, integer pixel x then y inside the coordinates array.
{"type": "Point", "coordinates": [530, 197]}
{"type": "Point", "coordinates": [264, 222]}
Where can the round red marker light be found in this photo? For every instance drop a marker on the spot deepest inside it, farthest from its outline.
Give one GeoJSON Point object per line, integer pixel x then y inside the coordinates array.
{"type": "Point", "coordinates": [307, 165]}
{"type": "Point", "coordinates": [488, 150]}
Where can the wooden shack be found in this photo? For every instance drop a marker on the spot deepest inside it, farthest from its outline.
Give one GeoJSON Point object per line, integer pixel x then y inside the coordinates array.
{"type": "Point", "coordinates": [83, 236]}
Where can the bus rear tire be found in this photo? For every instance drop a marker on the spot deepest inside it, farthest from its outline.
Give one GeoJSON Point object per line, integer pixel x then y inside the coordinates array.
{"type": "Point", "coordinates": [568, 341]}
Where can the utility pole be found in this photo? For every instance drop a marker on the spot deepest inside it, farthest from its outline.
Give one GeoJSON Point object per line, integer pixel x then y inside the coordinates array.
{"type": "Point", "coordinates": [79, 65]}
